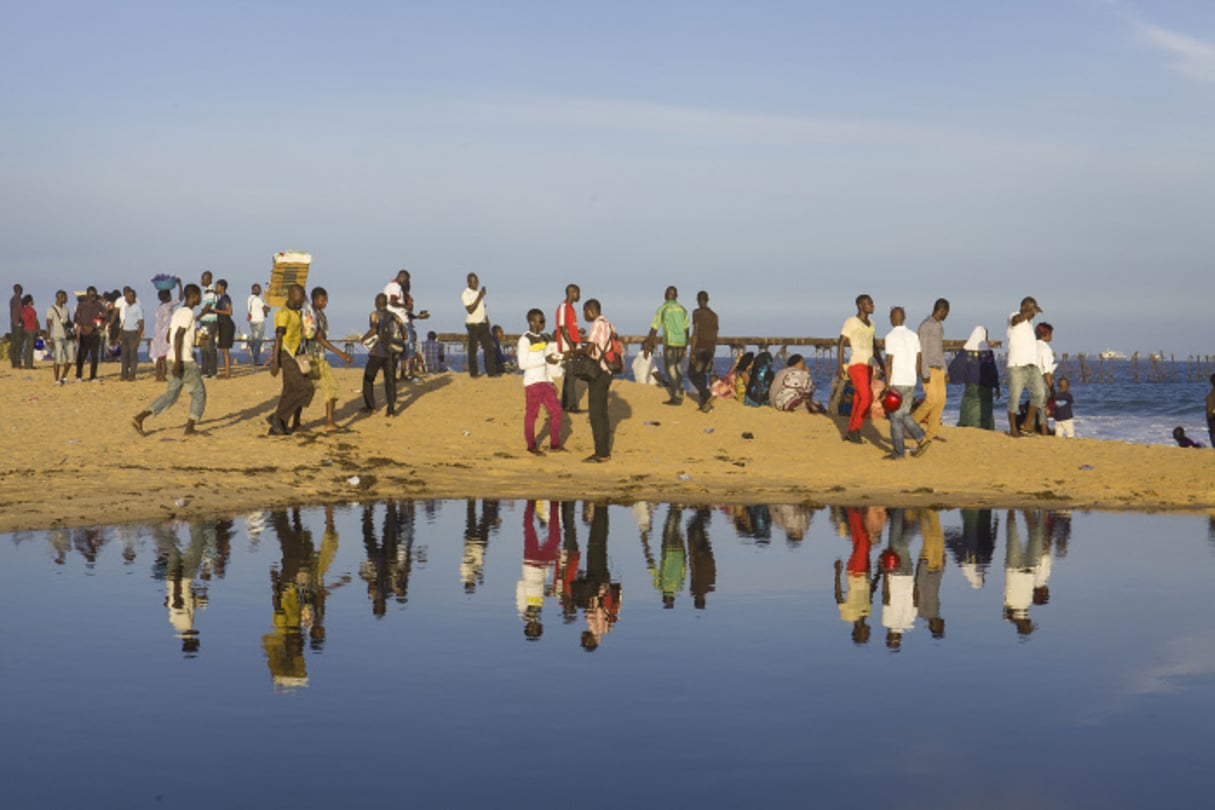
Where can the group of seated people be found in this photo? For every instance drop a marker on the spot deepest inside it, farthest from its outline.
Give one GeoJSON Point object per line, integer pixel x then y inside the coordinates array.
{"type": "Point", "coordinates": [751, 380]}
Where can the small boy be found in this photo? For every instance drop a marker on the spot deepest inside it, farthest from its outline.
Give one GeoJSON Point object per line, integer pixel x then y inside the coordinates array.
{"type": "Point", "coordinates": [536, 354]}
{"type": "Point", "coordinates": [434, 359]}
{"type": "Point", "coordinates": [1184, 440]}
{"type": "Point", "coordinates": [506, 363]}
{"type": "Point", "coordinates": [1061, 401]}
{"type": "Point", "coordinates": [1046, 367]}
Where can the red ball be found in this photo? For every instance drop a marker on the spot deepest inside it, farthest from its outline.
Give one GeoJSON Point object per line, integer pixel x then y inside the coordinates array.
{"type": "Point", "coordinates": [891, 400]}
{"type": "Point", "coordinates": [889, 560]}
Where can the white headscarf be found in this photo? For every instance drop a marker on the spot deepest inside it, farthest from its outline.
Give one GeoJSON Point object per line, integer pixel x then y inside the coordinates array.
{"type": "Point", "coordinates": [977, 341]}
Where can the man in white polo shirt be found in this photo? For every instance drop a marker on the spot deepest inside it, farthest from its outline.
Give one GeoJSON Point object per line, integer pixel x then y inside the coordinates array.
{"type": "Point", "coordinates": [903, 366]}
{"type": "Point", "coordinates": [1023, 369]}
{"type": "Point", "coordinates": [477, 324]}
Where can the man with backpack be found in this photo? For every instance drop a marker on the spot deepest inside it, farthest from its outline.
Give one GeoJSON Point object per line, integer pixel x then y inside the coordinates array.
{"type": "Point", "coordinates": [385, 327]}
{"type": "Point", "coordinates": [673, 319]}
{"type": "Point", "coordinates": [600, 344]}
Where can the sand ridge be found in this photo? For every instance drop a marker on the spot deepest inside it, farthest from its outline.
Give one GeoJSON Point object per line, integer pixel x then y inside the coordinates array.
{"type": "Point", "coordinates": [75, 460]}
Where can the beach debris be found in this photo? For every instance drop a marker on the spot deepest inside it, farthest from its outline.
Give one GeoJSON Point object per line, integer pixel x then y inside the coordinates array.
{"type": "Point", "coordinates": [748, 435]}
{"type": "Point", "coordinates": [467, 433]}
{"type": "Point", "coordinates": [1086, 466]}
{"type": "Point", "coordinates": [708, 430]}
{"type": "Point", "coordinates": [35, 399]}
{"type": "Point", "coordinates": [684, 477]}
{"type": "Point", "coordinates": [651, 423]}
{"type": "Point", "coordinates": [325, 462]}
{"type": "Point", "coordinates": [181, 502]}
{"type": "Point", "coordinates": [353, 480]}
{"type": "Point", "coordinates": [70, 441]}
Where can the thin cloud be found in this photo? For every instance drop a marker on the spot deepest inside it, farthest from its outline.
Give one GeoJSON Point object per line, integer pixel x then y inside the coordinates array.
{"type": "Point", "coordinates": [1193, 58]}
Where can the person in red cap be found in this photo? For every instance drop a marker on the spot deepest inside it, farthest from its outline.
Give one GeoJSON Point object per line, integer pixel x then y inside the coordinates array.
{"type": "Point", "coordinates": [903, 363]}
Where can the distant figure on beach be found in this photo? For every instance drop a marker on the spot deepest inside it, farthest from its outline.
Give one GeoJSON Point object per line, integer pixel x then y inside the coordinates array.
{"type": "Point", "coordinates": [645, 370]}
{"type": "Point", "coordinates": [16, 335]}
{"type": "Point", "coordinates": [793, 389]}
{"type": "Point", "coordinates": [225, 326]}
{"type": "Point", "coordinates": [477, 324]}
{"type": "Point", "coordinates": [158, 350]}
{"type": "Point", "coordinates": [1023, 369]}
{"type": "Point", "coordinates": [185, 372]}
{"type": "Point", "coordinates": [132, 322]}
{"type": "Point", "coordinates": [401, 304]}
{"type": "Point", "coordinates": [903, 366]}
{"type": "Point", "coordinates": [1046, 367]}
{"type": "Point", "coordinates": [1061, 403]}
{"type": "Point", "coordinates": [434, 358]}
{"type": "Point", "coordinates": [597, 390]}
{"type": "Point", "coordinates": [975, 367]}
{"type": "Point", "coordinates": [326, 382]}
{"type": "Point", "coordinates": [932, 346]}
{"type": "Point", "coordinates": [740, 376]}
{"type": "Point", "coordinates": [857, 334]}
{"type": "Point", "coordinates": [537, 358]}
{"type": "Point", "coordinates": [30, 329]}
{"type": "Point", "coordinates": [1211, 411]}
{"type": "Point", "coordinates": [386, 329]}
{"type": "Point", "coordinates": [672, 318]}
{"type": "Point", "coordinates": [704, 349]}
{"type": "Point", "coordinates": [288, 344]}
{"type": "Point", "coordinates": [61, 330]}
{"type": "Point", "coordinates": [256, 312]}
{"type": "Point", "coordinates": [569, 338]}
{"type": "Point", "coordinates": [502, 353]}
{"type": "Point", "coordinates": [89, 318]}
{"type": "Point", "coordinates": [208, 319]}
{"type": "Point", "coordinates": [1182, 439]}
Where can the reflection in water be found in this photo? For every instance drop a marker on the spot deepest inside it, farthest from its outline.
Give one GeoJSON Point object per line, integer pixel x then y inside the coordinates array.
{"type": "Point", "coordinates": [906, 576]}
{"type": "Point", "coordinates": [298, 595]}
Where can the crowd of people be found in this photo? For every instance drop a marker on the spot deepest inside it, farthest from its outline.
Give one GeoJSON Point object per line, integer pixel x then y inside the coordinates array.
{"type": "Point", "coordinates": [557, 367]}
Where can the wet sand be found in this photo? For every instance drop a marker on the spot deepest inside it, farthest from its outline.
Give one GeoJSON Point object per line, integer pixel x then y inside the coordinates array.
{"type": "Point", "coordinates": [75, 460]}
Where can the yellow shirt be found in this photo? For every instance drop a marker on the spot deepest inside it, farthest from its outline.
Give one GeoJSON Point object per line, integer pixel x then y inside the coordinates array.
{"type": "Point", "coordinates": [291, 322]}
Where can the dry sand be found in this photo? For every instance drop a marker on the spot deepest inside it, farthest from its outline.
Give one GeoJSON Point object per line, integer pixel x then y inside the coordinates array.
{"type": "Point", "coordinates": [75, 460]}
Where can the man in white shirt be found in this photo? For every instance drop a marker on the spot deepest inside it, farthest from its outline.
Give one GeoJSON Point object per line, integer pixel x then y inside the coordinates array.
{"type": "Point", "coordinates": [185, 372]}
{"type": "Point", "coordinates": [130, 321]}
{"type": "Point", "coordinates": [902, 370]}
{"type": "Point", "coordinates": [258, 310]}
{"type": "Point", "coordinates": [1023, 369]}
{"type": "Point", "coordinates": [477, 324]}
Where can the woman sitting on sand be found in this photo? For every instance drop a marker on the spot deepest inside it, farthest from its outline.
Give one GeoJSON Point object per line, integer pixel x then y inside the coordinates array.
{"type": "Point", "coordinates": [728, 386]}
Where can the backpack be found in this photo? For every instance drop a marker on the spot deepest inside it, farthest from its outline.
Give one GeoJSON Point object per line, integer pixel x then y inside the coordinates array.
{"type": "Point", "coordinates": [761, 380]}
{"type": "Point", "coordinates": [613, 355]}
{"type": "Point", "coordinates": [391, 332]}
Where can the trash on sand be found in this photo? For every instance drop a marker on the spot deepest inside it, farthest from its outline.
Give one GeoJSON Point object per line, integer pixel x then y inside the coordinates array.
{"type": "Point", "coordinates": [748, 435]}
{"type": "Point", "coordinates": [651, 423]}
{"type": "Point", "coordinates": [684, 477]}
{"type": "Point", "coordinates": [353, 480]}
{"type": "Point", "coordinates": [181, 502]}
{"type": "Point", "coordinates": [708, 430]}
{"type": "Point", "coordinates": [1086, 466]}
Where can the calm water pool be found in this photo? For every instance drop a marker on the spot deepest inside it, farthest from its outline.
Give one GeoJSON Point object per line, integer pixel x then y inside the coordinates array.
{"type": "Point", "coordinates": [521, 654]}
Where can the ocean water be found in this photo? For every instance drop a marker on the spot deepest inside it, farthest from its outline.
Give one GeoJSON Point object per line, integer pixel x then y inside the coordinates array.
{"type": "Point", "coordinates": [503, 654]}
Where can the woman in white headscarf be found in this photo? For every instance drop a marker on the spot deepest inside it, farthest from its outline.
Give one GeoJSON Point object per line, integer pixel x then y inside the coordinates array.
{"type": "Point", "coordinates": [975, 366]}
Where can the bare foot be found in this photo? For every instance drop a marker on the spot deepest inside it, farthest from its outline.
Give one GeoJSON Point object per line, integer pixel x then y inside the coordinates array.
{"type": "Point", "coordinates": [137, 422]}
{"type": "Point", "coordinates": [330, 428]}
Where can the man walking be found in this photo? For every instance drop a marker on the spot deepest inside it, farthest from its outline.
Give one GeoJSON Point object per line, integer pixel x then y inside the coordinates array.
{"type": "Point", "coordinates": [90, 318]}
{"type": "Point", "coordinates": [477, 324]}
{"type": "Point", "coordinates": [185, 371]}
{"type": "Point", "coordinates": [673, 319]}
{"type": "Point", "coordinates": [903, 365]}
{"type": "Point", "coordinates": [932, 347]}
{"type": "Point", "coordinates": [258, 310]}
{"type": "Point", "coordinates": [857, 334]}
{"type": "Point", "coordinates": [704, 349]}
{"type": "Point", "coordinates": [297, 388]}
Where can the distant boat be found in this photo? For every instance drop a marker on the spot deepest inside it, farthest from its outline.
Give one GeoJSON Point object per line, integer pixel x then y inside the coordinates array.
{"type": "Point", "coordinates": [1110, 354]}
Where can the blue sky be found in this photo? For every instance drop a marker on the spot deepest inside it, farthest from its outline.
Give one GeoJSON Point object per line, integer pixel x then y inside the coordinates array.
{"type": "Point", "coordinates": [784, 156]}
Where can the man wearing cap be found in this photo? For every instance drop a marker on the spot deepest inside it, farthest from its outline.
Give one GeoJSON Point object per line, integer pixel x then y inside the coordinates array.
{"type": "Point", "coordinates": [1023, 369]}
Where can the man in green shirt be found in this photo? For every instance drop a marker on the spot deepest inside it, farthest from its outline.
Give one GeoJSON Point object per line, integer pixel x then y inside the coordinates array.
{"type": "Point", "coordinates": [673, 319]}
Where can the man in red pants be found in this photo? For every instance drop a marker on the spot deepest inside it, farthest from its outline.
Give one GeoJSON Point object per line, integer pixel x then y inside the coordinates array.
{"type": "Point", "coordinates": [857, 333]}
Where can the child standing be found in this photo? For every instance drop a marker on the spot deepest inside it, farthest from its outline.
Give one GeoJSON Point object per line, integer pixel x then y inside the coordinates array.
{"type": "Point", "coordinates": [325, 379]}
{"type": "Point", "coordinates": [1061, 402]}
{"type": "Point", "coordinates": [535, 355]}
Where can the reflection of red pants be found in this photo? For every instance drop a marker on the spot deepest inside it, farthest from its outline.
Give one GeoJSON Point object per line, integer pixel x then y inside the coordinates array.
{"type": "Point", "coordinates": [538, 394]}
{"type": "Point", "coordinates": [862, 393]}
{"type": "Point", "coordinates": [858, 563]}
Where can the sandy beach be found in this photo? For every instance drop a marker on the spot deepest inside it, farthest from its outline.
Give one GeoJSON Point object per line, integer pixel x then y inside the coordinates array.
{"type": "Point", "coordinates": [75, 459]}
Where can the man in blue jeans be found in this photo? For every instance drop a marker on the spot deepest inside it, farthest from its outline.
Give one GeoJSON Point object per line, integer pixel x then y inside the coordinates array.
{"type": "Point", "coordinates": [903, 366]}
{"type": "Point", "coordinates": [673, 319]}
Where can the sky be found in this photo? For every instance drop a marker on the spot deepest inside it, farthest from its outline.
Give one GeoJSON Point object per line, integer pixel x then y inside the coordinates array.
{"type": "Point", "coordinates": [784, 156]}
